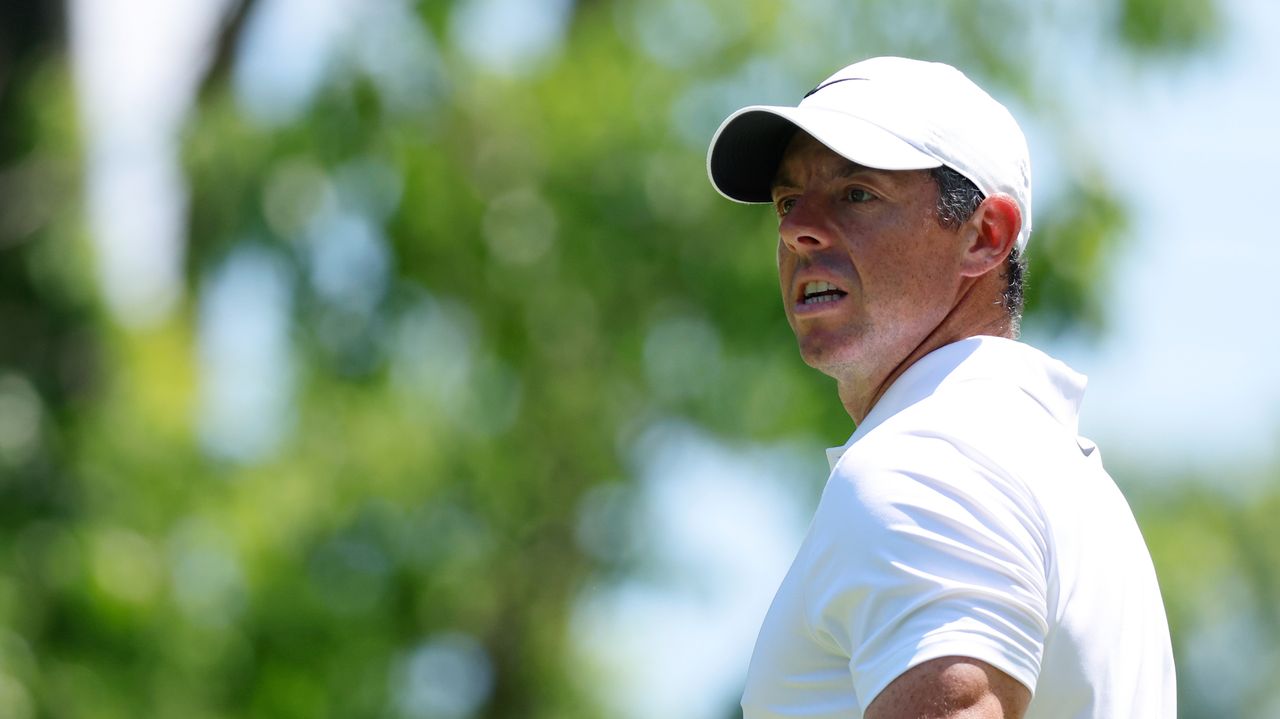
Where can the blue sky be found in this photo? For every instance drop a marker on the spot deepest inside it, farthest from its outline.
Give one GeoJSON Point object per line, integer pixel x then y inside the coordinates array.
{"type": "Point", "coordinates": [1187, 375]}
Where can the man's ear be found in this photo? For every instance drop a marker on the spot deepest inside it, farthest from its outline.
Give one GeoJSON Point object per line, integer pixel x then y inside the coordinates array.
{"type": "Point", "coordinates": [990, 235]}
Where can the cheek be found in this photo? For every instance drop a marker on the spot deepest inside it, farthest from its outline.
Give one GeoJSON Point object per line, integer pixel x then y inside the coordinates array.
{"type": "Point", "coordinates": [786, 263]}
{"type": "Point", "coordinates": [905, 270]}
{"type": "Point", "coordinates": [928, 284]}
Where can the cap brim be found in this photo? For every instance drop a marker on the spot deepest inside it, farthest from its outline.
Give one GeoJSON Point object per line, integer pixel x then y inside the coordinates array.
{"type": "Point", "coordinates": [745, 152]}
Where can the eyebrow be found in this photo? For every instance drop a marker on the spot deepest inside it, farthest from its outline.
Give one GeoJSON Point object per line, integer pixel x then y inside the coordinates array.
{"type": "Point", "coordinates": [849, 169]}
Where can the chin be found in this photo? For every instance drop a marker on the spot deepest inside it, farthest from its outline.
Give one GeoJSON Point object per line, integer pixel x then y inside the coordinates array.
{"type": "Point", "coordinates": [827, 355]}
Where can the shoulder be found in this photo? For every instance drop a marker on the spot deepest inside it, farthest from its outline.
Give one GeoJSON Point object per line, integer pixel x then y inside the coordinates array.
{"type": "Point", "coordinates": [932, 459]}
{"type": "Point", "coordinates": [981, 438]}
{"type": "Point", "coordinates": [921, 548]}
{"type": "Point", "coordinates": [928, 498]}
{"type": "Point", "coordinates": [933, 474]}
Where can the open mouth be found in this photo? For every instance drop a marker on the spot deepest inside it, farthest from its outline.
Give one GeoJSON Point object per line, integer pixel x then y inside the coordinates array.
{"type": "Point", "coordinates": [819, 292]}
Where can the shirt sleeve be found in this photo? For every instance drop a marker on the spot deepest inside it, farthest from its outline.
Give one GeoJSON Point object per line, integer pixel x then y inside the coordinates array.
{"type": "Point", "coordinates": [937, 554]}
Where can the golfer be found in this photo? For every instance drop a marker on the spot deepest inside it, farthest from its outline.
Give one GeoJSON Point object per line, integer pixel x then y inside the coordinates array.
{"type": "Point", "coordinates": [969, 557]}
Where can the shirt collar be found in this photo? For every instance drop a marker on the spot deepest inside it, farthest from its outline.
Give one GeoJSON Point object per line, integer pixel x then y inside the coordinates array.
{"type": "Point", "coordinates": [1057, 387]}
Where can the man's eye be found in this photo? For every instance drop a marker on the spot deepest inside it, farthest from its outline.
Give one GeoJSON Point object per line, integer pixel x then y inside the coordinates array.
{"type": "Point", "coordinates": [784, 205]}
{"type": "Point", "coordinates": [857, 194]}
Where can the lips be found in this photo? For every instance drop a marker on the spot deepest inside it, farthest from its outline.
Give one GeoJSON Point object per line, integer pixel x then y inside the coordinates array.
{"type": "Point", "coordinates": [817, 296]}
{"type": "Point", "coordinates": [820, 291]}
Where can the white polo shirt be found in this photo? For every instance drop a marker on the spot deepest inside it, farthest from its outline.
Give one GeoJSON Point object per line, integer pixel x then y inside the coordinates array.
{"type": "Point", "coordinates": [965, 516]}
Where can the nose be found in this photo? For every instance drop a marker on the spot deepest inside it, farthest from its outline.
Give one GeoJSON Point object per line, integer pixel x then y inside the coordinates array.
{"type": "Point", "coordinates": [804, 229]}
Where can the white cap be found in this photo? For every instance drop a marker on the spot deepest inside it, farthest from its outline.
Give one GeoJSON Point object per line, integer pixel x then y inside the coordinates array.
{"type": "Point", "coordinates": [889, 113]}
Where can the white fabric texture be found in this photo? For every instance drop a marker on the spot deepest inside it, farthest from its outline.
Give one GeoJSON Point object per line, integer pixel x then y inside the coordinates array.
{"type": "Point", "coordinates": [967, 517]}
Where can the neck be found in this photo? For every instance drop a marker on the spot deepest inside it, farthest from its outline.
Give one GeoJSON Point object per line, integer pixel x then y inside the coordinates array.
{"type": "Point", "coordinates": [969, 318]}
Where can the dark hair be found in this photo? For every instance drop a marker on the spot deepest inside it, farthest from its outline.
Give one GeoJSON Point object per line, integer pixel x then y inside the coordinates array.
{"type": "Point", "coordinates": [958, 199]}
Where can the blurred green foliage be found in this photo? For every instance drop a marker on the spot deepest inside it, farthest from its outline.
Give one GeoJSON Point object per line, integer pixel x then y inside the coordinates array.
{"type": "Point", "coordinates": [1169, 27]}
{"type": "Point", "coordinates": [556, 274]}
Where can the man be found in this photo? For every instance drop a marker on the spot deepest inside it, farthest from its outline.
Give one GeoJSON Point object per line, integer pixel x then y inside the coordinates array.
{"type": "Point", "coordinates": [970, 557]}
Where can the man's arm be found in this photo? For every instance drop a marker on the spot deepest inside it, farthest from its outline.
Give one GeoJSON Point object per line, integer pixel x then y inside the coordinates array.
{"type": "Point", "coordinates": [951, 688]}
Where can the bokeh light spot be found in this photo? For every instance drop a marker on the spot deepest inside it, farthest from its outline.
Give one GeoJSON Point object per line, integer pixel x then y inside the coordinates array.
{"type": "Point", "coordinates": [15, 700]}
{"type": "Point", "coordinates": [296, 191]}
{"type": "Point", "coordinates": [349, 262]}
{"type": "Point", "coordinates": [246, 355]}
{"type": "Point", "coordinates": [519, 227]}
{"type": "Point", "coordinates": [432, 353]}
{"type": "Point", "coordinates": [446, 677]}
{"type": "Point", "coordinates": [207, 580]}
{"type": "Point", "coordinates": [682, 356]}
{"type": "Point", "coordinates": [20, 413]}
{"type": "Point", "coordinates": [509, 37]}
{"type": "Point", "coordinates": [125, 565]}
